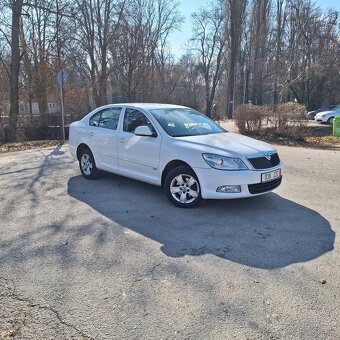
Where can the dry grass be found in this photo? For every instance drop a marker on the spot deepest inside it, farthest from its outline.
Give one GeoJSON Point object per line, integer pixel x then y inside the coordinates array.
{"type": "Point", "coordinates": [324, 140]}
{"type": "Point", "coordinates": [21, 146]}
{"type": "Point", "coordinates": [306, 136]}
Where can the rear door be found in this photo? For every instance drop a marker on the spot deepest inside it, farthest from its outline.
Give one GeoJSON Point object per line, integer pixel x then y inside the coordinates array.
{"type": "Point", "coordinates": [103, 135]}
{"type": "Point", "coordinates": [138, 156]}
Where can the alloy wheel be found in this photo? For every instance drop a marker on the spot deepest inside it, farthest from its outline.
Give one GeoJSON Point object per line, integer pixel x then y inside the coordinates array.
{"type": "Point", "coordinates": [86, 164]}
{"type": "Point", "coordinates": [184, 188]}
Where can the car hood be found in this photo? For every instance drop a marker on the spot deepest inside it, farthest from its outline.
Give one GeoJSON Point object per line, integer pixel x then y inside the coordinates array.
{"type": "Point", "coordinates": [227, 143]}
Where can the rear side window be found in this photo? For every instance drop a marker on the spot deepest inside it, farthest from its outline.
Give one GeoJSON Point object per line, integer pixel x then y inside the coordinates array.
{"type": "Point", "coordinates": [94, 120]}
{"type": "Point", "coordinates": [107, 118]}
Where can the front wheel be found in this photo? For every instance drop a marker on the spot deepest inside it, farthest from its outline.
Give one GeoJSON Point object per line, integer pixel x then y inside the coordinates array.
{"type": "Point", "coordinates": [182, 187]}
{"type": "Point", "coordinates": [87, 165]}
{"type": "Point", "coordinates": [330, 121]}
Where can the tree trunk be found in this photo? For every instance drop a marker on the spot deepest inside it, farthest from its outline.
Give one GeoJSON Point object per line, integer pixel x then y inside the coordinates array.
{"type": "Point", "coordinates": [231, 88]}
{"type": "Point", "coordinates": [41, 93]}
{"type": "Point", "coordinates": [14, 70]}
{"type": "Point", "coordinates": [279, 32]}
{"type": "Point", "coordinates": [208, 102]}
{"type": "Point", "coordinates": [237, 10]}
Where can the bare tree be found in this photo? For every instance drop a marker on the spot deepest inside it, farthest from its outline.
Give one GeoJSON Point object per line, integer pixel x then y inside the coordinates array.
{"type": "Point", "coordinates": [210, 44]}
{"type": "Point", "coordinates": [313, 50]}
{"type": "Point", "coordinates": [140, 47]}
{"type": "Point", "coordinates": [94, 30]}
{"type": "Point", "coordinates": [279, 30]}
{"type": "Point", "coordinates": [235, 10]}
{"type": "Point", "coordinates": [16, 9]}
{"type": "Point", "coordinates": [259, 41]}
{"type": "Point", "coordinates": [38, 41]}
{"type": "Point", "coordinates": [189, 89]}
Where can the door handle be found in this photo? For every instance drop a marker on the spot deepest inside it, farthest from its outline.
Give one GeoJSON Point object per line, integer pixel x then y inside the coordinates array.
{"type": "Point", "coordinates": [91, 133]}
{"type": "Point", "coordinates": [122, 140]}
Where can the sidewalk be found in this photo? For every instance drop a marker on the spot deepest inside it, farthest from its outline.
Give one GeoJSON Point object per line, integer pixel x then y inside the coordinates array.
{"type": "Point", "coordinates": [229, 125]}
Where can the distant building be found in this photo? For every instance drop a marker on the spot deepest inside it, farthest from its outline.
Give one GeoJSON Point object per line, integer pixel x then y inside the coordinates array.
{"type": "Point", "coordinates": [52, 106]}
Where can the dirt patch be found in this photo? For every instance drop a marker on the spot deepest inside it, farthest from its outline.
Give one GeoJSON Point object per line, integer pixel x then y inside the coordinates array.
{"type": "Point", "coordinates": [307, 136]}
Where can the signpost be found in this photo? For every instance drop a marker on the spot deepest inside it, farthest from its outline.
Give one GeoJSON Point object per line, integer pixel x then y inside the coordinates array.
{"type": "Point", "coordinates": [62, 78]}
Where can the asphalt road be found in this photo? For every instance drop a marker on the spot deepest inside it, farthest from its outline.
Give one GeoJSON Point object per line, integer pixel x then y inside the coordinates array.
{"type": "Point", "coordinates": [113, 259]}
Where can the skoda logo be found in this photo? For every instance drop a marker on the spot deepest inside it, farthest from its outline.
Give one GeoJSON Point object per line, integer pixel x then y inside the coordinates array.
{"type": "Point", "coordinates": [268, 156]}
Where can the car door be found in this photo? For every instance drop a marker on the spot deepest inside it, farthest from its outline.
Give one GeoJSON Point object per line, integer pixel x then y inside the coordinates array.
{"type": "Point", "coordinates": [103, 135]}
{"type": "Point", "coordinates": [138, 156]}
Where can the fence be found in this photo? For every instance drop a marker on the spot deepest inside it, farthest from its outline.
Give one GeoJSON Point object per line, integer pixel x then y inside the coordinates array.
{"type": "Point", "coordinates": [37, 126]}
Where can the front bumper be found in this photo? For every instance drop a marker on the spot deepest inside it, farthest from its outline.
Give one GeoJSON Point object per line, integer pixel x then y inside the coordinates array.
{"type": "Point", "coordinates": [321, 119]}
{"type": "Point", "coordinates": [210, 179]}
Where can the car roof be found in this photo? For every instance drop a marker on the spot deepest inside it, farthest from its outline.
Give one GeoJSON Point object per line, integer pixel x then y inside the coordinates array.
{"type": "Point", "coordinates": [145, 106]}
{"type": "Point", "coordinates": [151, 106]}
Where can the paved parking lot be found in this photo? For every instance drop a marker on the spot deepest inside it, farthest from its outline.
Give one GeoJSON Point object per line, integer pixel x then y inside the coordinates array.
{"type": "Point", "coordinates": [113, 259]}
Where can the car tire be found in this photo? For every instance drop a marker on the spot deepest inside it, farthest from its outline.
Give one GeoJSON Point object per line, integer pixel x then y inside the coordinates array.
{"type": "Point", "coordinates": [87, 164]}
{"type": "Point", "coordinates": [330, 121]}
{"type": "Point", "coordinates": [182, 187]}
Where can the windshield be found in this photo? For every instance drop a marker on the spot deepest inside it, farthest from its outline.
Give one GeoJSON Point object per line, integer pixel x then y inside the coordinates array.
{"type": "Point", "coordinates": [181, 122]}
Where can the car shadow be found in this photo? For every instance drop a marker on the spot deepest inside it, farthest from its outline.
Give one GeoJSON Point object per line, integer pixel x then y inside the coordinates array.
{"type": "Point", "coordinates": [264, 232]}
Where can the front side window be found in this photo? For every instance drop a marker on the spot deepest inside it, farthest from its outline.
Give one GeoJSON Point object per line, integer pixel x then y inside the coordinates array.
{"type": "Point", "coordinates": [107, 118]}
{"type": "Point", "coordinates": [134, 118]}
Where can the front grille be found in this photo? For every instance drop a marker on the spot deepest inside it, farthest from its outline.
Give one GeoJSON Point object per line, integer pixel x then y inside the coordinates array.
{"type": "Point", "coordinates": [259, 188]}
{"type": "Point", "coordinates": [264, 163]}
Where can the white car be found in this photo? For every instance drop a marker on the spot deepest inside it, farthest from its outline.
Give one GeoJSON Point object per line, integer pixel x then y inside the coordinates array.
{"type": "Point", "coordinates": [327, 116]}
{"type": "Point", "coordinates": [175, 147]}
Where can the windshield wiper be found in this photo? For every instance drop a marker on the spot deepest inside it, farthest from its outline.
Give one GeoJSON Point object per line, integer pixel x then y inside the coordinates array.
{"type": "Point", "coordinates": [184, 135]}
{"type": "Point", "coordinates": [200, 134]}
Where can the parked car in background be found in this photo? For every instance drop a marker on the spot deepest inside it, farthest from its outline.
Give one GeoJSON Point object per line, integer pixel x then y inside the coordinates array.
{"type": "Point", "coordinates": [327, 116]}
{"type": "Point", "coordinates": [190, 156]}
{"type": "Point", "coordinates": [311, 114]}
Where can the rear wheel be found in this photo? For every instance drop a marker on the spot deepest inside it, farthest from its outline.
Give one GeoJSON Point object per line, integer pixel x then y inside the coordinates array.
{"type": "Point", "coordinates": [87, 164]}
{"type": "Point", "coordinates": [182, 188]}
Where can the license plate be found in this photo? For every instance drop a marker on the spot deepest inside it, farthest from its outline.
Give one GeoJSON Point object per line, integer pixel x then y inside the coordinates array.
{"type": "Point", "coordinates": [269, 176]}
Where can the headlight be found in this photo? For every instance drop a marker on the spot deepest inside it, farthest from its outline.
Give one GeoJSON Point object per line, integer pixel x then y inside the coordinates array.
{"type": "Point", "coordinates": [224, 163]}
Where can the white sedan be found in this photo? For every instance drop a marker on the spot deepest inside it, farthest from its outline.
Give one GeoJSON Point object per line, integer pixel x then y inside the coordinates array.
{"type": "Point", "coordinates": [327, 116]}
{"type": "Point", "coordinates": [175, 147]}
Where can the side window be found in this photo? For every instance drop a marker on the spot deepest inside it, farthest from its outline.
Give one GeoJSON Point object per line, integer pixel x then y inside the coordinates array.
{"type": "Point", "coordinates": [94, 120]}
{"type": "Point", "coordinates": [107, 119]}
{"type": "Point", "coordinates": [134, 118]}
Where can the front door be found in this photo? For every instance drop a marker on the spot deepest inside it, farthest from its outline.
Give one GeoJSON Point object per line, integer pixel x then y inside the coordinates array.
{"type": "Point", "coordinates": [138, 156]}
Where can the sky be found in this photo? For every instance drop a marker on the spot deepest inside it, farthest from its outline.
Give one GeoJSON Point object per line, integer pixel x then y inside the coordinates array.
{"type": "Point", "coordinates": [179, 39]}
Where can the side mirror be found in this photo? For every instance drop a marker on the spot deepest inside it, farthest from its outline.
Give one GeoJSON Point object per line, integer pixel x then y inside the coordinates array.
{"type": "Point", "coordinates": [144, 130]}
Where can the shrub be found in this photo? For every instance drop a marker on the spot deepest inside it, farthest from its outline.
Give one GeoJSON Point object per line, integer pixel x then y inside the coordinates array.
{"type": "Point", "coordinates": [250, 118]}
{"type": "Point", "coordinates": [288, 116]}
